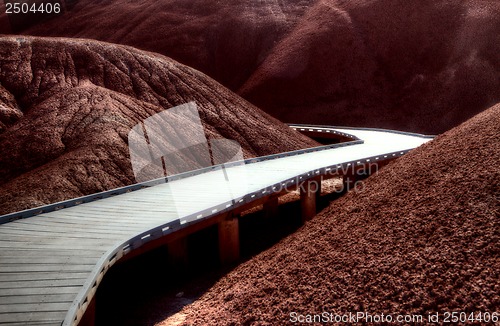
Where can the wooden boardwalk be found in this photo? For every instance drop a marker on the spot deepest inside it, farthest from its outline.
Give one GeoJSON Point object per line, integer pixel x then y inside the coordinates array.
{"type": "Point", "coordinates": [51, 264]}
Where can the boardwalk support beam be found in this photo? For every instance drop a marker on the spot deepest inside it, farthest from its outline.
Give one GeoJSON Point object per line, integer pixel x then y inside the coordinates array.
{"type": "Point", "coordinates": [229, 240]}
{"type": "Point", "coordinates": [308, 192]}
{"type": "Point", "coordinates": [349, 181]}
{"type": "Point", "coordinates": [271, 207]}
{"type": "Point", "coordinates": [318, 190]}
{"type": "Point", "coordinates": [178, 254]}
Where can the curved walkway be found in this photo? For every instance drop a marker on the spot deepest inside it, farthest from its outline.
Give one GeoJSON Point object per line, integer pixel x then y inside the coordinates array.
{"type": "Point", "coordinates": [52, 263]}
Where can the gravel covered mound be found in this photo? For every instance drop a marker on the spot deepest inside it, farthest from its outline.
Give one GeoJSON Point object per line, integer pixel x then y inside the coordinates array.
{"type": "Point", "coordinates": [67, 106]}
{"type": "Point", "coordinates": [423, 66]}
{"type": "Point", "coordinates": [423, 237]}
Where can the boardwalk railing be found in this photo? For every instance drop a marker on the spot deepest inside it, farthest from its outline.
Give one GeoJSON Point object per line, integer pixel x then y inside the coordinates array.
{"type": "Point", "coordinates": [118, 191]}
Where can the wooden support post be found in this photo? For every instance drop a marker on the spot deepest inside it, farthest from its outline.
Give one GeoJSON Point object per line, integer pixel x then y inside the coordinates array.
{"type": "Point", "coordinates": [318, 190]}
{"type": "Point", "coordinates": [308, 199]}
{"type": "Point", "coordinates": [348, 181]}
{"type": "Point", "coordinates": [271, 207]}
{"type": "Point", "coordinates": [178, 254]}
{"type": "Point", "coordinates": [229, 240]}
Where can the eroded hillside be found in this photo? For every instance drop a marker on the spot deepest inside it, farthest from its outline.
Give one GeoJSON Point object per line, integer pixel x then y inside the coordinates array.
{"type": "Point", "coordinates": [67, 106]}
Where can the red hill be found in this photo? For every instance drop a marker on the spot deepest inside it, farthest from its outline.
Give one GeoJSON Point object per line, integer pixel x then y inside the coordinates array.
{"type": "Point", "coordinates": [420, 66]}
{"type": "Point", "coordinates": [226, 40]}
{"type": "Point", "coordinates": [423, 66]}
{"type": "Point", "coordinates": [423, 237]}
{"type": "Point", "coordinates": [67, 106]}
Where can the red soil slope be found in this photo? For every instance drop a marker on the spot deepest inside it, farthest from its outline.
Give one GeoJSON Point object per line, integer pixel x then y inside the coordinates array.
{"type": "Point", "coordinates": [225, 39]}
{"type": "Point", "coordinates": [423, 237]}
{"type": "Point", "coordinates": [422, 66]}
{"type": "Point", "coordinates": [66, 107]}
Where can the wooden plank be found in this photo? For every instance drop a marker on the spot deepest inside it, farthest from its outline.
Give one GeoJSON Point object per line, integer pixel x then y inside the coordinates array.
{"type": "Point", "coordinates": [73, 245]}
{"type": "Point", "coordinates": [110, 213]}
{"type": "Point", "coordinates": [58, 260]}
{"type": "Point", "coordinates": [37, 298]}
{"type": "Point", "coordinates": [57, 229]}
{"type": "Point", "coordinates": [25, 239]}
{"type": "Point", "coordinates": [58, 221]}
{"type": "Point", "coordinates": [143, 219]}
{"type": "Point", "coordinates": [82, 218]}
{"type": "Point", "coordinates": [119, 211]}
{"type": "Point", "coordinates": [19, 237]}
{"type": "Point", "coordinates": [160, 201]}
{"type": "Point", "coordinates": [33, 318]}
{"type": "Point", "coordinates": [206, 202]}
{"type": "Point", "coordinates": [39, 323]}
{"type": "Point", "coordinates": [40, 291]}
{"type": "Point", "coordinates": [89, 213]}
{"type": "Point", "coordinates": [31, 231]}
{"type": "Point", "coordinates": [69, 245]}
{"type": "Point", "coordinates": [34, 307]}
{"type": "Point", "coordinates": [41, 276]}
{"type": "Point", "coordinates": [39, 252]}
{"type": "Point", "coordinates": [96, 225]}
{"type": "Point", "coordinates": [157, 204]}
{"type": "Point", "coordinates": [42, 284]}
{"type": "Point", "coordinates": [45, 268]}
{"type": "Point", "coordinates": [56, 243]}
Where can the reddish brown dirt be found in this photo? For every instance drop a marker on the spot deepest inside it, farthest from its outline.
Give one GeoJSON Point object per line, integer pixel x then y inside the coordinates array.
{"type": "Point", "coordinates": [226, 40]}
{"type": "Point", "coordinates": [66, 107]}
{"type": "Point", "coordinates": [4, 20]}
{"type": "Point", "coordinates": [424, 236]}
{"type": "Point", "coordinates": [423, 66]}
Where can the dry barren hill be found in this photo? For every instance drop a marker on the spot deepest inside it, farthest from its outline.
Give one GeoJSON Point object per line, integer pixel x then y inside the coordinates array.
{"type": "Point", "coordinates": [67, 106]}
{"type": "Point", "coordinates": [423, 237]}
{"type": "Point", "coordinates": [422, 66]}
{"type": "Point", "coordinates": [225, 39]}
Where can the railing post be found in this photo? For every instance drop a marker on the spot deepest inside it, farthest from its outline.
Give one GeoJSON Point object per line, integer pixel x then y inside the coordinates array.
{"type": "Point", "coordinates": [229, 240]}
{"type": "Point", "coordinates": [308, 191]}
